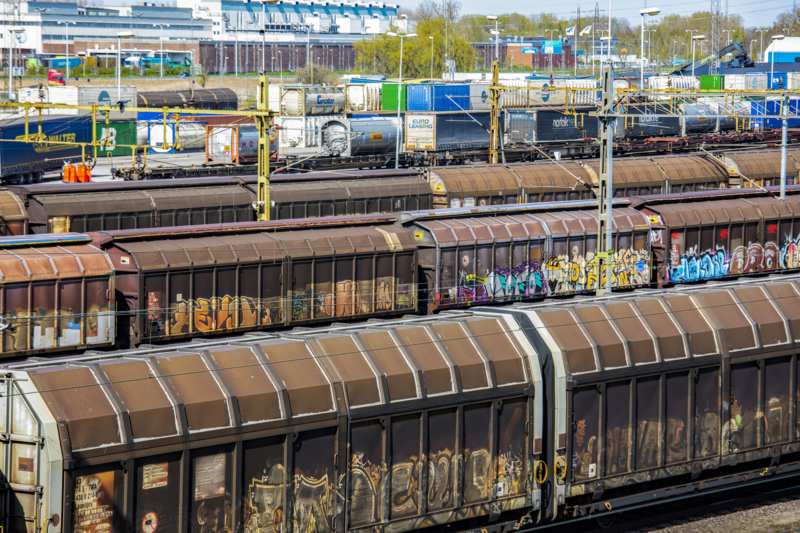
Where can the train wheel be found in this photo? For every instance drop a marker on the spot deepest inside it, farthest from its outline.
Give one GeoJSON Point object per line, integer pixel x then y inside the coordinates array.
{"type": "Point", "coordinates": [605, 521]}
{"type": "Point", "coordinates": [38, 176]}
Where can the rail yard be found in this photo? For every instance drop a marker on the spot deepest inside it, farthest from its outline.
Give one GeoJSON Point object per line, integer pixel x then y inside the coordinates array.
{"type": "Point", "coordinates": [376, 307]}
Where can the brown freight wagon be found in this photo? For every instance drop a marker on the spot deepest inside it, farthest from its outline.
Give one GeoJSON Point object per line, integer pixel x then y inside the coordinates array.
{"type": "Point", "coordinates": [184, 283]}
{"type": "Point", "coordinates": [56, 294]}
{"type": "Point", "coordinates": [508, 416]}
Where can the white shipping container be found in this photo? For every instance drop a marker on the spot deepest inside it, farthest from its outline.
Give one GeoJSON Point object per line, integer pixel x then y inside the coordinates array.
{"type": "Point", "coordinates": [545, 97]}
{"type": "Point", "coordinates": [588, 97]}
{"type": "Point", "coordinates": [793, 81]}
{"type": "Point", "coordinates": [363, 96]}
{"type": "Point", "coordinates": [756, 82]}
{"type": "Point", "coordinates": [420, 132]}
{"type": "Point", "coordinates": [672, 82]}
{"type": "Point", "coordinates": [73, 95]}
{"type": "Point", "coordinates": [479, 97]}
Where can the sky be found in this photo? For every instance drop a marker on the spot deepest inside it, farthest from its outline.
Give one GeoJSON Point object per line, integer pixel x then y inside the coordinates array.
{"type": "Point", "coordinates": [755, 13]}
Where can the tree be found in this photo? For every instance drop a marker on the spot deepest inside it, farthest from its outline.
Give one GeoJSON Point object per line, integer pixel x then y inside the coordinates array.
{"type": "Point", "coordinates": [381, 54]}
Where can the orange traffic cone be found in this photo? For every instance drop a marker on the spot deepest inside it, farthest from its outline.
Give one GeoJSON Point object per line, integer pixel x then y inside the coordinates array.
{"type": "Point", "coordinates": [80, 173]}
{"type": "Point", "coordinates": [88, 175]}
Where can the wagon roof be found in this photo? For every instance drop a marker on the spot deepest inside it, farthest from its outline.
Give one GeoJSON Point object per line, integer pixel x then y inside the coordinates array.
{"type": "Point", "coordinates": [151, 396]}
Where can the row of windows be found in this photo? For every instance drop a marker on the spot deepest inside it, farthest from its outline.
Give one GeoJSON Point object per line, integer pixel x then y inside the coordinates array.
{"type": "Point", "coordinates": [652, 422]}
{"type": "Point", "coordinates": [470, 454]}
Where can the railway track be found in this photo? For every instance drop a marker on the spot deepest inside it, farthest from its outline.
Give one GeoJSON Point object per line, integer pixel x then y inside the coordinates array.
{"type": "Point", "coordinates": [691, 508]}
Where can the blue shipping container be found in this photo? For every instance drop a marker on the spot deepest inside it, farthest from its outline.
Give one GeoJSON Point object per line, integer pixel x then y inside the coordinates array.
{"type": "Point", "coordinates": [773, 107]}
{"type": "Point", "coordinates": [777, 81]}
{"type": "Point", "coordinates": [20, 158]}
{"type": "Point", "coordinates": [438, 97]}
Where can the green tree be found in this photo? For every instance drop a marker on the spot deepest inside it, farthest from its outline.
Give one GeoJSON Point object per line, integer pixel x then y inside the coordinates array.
{"type": "Point", "coordinates": [381, 54]}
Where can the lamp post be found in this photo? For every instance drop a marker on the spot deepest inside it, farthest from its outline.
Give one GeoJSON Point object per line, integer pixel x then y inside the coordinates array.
{"type": "Point", "coordinates": [695, 38]}
{"type": "Point", "coordinates": [674, 45]}
{"type": "Point", "coordinates": [496, 37]}
{"type": "Point", "coordinates": [752, 45]}
{"type": "Point", "coordinates": [431, 38]}
{"type": "Point", "coordinates": [161, 53]}
{"type": "Point", "coordinates": [399, 93]}
{"type": "Point", "coordinates": [772, 58]}
{"type": "Point", "coordinates": [652, 11]}
{"type": "Point", "coordinates": [263, 32]}
{"type": "Point", "coordinates": [12, 35]}
{"type": "Point", "coordinates": [550, 56]}
{"type": "Point", "coordinates": [66, 24]}
{"type": "Point", "coordinates": [608, 45]}
{"type": "Point", "coordinates": [263, 47]}
{"type": "Point", "coordinates": [761, 46]}
{"type": "Point", "coordinates": [121, 35]}
{"type": "Point", "coordinates": [280, 64]}
{"type": "Point", "coordinates": [691, 34]}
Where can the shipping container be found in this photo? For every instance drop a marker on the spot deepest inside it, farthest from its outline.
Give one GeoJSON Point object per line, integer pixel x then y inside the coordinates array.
{"type": "Point", "coordinates": [590, 96]}
{"type": "Point", "coordinates": [793, 80]}
{"type": "Point", "coordinates": [712, 82]}
{"type": "Point", "coordinates": [777, 81]}
{"type": "Point", "coordinates": [425, 97]}
{"type": "Point", "coordinates": [672, 82]}
{"type": "Point", "coordinates": [389, 97]}
{"type": "Point", "coordinates": [747, 82]}
{"type": "Point", "coordinates": [74, 95]}
{"type": "Point", "coordinates": [312, 101]}
{"type": "Point", "coordinates": [236, 144]}
{"type": "Point", "coordinates": [479, 97]}
{"type": "Point", "coordinates": [547, 125]}
{"type": "Point", "coordinates": [21, 161]}
{"type": "Point", "coordinates": [773, 107]}
{"type": "Point", "coordinates": [651, 121]}
{"type": "Point", "coordinates": [161, 139]}
{"type": "Point", "coordinates": [439, 131]}
{"type": "Point", "coordinates": [114, 135]}
{"type": "Point", "coordinates": [363, 96]}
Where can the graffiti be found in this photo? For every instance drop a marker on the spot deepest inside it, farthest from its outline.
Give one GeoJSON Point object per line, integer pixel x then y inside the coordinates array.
{"type": "Point", "coordinates": [368, 481]}
{"type": "Point", "coordinates": [49, 328]}
{"type": "Point", "coordinates": [264, 514]}
{"type": "Point", "coordinates": [628, 268]}
{"type": "Point", "coordinates": [710, 264]}
{"type": "Point", "coordinates": [693, 265]}
{"type": "Point", "coordinates": [656, 237]}
{"type": "Point", "coordinates": [526, 281]}
{"type": "Point", "coordinates": [210, 314]}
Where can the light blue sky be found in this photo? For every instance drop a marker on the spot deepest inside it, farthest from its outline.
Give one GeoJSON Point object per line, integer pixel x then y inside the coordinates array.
{"type": "Point", "coordinates": [754, 12]}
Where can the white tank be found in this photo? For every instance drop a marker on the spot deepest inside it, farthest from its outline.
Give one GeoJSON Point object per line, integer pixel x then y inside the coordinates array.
{"type": "Point", "coordinates": [363, 96]}
{"type": "Point", "coordinates": [190, 135]}
{"type": "Point", "coordinates": [310, 101]}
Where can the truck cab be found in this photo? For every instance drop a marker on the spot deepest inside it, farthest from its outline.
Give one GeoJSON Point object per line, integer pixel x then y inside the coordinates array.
{"type": "Point", "coordinates": [55, 77]}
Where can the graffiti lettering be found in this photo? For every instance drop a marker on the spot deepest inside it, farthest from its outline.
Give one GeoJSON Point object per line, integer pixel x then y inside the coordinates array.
{"type": "Point", "coordinates": [210, 314]}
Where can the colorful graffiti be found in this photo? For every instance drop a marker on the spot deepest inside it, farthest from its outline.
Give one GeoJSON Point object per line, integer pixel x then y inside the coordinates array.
{"type": "Point", "coordinates": [525, 281]}
{"type": "Point", "coordinates": [694, 265]}
{"type": "Point", "coordinates": [629, 268]}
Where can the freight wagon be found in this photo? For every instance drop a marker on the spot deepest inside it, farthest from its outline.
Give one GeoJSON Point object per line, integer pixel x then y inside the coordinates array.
{"type": "Point", "coordinates": [23, 162]}
{"type": "Point", "coordinates": [440, 131]}
{"type": "Point", "coordinates": [51, 208]}
{"type": "Point", "coordinates": [506, 417]}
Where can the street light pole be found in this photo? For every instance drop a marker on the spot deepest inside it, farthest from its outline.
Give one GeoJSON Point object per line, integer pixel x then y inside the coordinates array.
{"type": "Point", "coordinates": [161, 39]}
{"type": "Point", "coordinates": [431, 38]}
{"type": "Point", "coordinates": [12, 35]}
{"type": "Point", "coordinates": [761, 46]}
{"type": "Point", "coordinates": [653, 11]}
{"type": "Point", "coordinates": [694, 39]}
{"type": "Point", "coordinates": [280, 66]}
{"type": "Point", "coordinates": [496, 37]}
{"type": "Point", "coordinates": [772, 59]}
{"type": "Point", "coordinates": [66, 27]}
{"type": "Point", "coordinates": [399, 94]}
{"type": "Point", "coordinates": [550, 56]}
{"type": "Point", "coordinates": [120, 35]}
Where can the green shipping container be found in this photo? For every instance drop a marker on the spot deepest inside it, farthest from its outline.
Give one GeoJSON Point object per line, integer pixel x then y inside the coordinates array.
{"type": "Point", "coordinates": [389, 97]}
{"type": "Point", "coordinates": [712, 83]}
{"type": "Point", "coordinates": [117, 132]}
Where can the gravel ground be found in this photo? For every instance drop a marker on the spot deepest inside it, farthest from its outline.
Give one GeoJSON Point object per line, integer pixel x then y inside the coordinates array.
{"type": "Point", "coordinates": [776, 516]}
